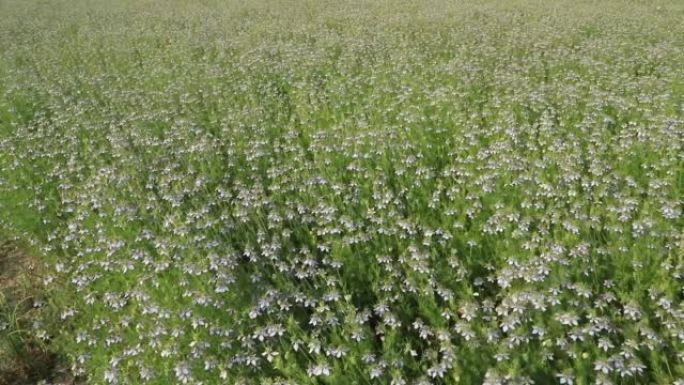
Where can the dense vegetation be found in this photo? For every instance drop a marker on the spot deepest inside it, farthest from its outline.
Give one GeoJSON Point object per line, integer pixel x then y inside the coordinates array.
{"type": "Point", "coordinates": [316, 192]}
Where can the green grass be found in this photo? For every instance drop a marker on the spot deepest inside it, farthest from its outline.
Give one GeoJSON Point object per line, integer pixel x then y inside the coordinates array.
{"type": "Point", "coordinates": [351, 192]}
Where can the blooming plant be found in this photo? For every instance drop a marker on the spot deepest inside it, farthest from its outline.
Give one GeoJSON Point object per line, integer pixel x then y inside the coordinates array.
{"type": "Point", "coordinates": [351, 192]}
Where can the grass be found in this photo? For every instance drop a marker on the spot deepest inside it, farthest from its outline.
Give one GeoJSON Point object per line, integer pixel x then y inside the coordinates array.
{"type": "Point", "coordinates": [348, 192]}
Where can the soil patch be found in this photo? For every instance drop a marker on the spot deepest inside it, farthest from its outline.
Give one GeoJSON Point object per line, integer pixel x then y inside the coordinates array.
{"type": "Point", "coordinates": [24, 357]}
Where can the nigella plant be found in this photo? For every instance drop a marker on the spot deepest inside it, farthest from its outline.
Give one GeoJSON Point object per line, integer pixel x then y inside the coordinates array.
{"type": "Point", "coordinates": [388, 193]}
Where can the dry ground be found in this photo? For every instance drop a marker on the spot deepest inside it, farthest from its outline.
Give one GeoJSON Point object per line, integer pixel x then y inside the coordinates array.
{"type": "Point", "coordinates": [24, 358]}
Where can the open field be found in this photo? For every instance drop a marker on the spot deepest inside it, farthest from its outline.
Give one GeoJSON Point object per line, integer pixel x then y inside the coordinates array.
{"type": "Point", "coordinates": [356, 192]}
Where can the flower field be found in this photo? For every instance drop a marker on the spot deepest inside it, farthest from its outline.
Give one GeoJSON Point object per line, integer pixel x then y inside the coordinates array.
{"type": "Point", "coordinates": [355, 192]}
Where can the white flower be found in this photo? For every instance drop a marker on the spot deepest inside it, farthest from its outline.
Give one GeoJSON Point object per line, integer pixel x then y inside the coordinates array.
{"type": "Point", "coordinates": [111, 376]}
{"type": "Point", "coordinates": [319, 370]}
{"type": "Point", "coordinates": [182, 371]}
{"type": "Point", "coordinates": [565, 378]}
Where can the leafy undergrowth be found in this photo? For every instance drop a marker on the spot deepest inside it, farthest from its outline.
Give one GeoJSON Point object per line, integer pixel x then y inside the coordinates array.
{"type": "Point", "coordinates": [26, 356]}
